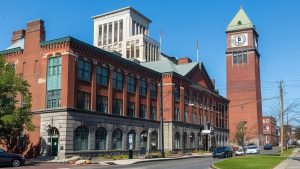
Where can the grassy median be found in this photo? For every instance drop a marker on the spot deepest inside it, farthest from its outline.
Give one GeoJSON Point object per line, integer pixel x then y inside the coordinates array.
{"type": "Point", "coordinates": [253, 162]}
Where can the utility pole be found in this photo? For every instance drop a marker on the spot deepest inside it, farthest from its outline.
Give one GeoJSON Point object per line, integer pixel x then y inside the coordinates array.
{"type": "Point", "coordinates": [281, 118]}
{"type": "Point", "coordinates": [161, 121]}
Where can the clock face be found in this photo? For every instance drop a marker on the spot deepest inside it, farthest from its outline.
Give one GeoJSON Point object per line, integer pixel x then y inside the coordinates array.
{"type": "Point", "coordinates": [239, 40]}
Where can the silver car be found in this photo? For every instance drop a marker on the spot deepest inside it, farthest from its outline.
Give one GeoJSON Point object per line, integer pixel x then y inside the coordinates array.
{"type": "Point", "coordinates": [252, 150]}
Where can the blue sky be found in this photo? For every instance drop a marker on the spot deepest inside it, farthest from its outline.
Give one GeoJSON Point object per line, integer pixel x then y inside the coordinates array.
{"type": "Point", "coordinates": [182, 23]}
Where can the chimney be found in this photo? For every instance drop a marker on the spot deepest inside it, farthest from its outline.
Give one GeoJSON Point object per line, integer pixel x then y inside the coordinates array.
{"type": "Point", "coordinates": [35, 33]}
{"type": "Point", "coordinates": [17, 35]}
{"type": "Point", "coordinates": [36, 27]}
{"type": "Point", "coordinates": [184, 60]}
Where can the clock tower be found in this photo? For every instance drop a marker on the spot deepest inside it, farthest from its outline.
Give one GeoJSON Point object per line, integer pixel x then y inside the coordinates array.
{"type": "Point", "coordinates": [243, 77]}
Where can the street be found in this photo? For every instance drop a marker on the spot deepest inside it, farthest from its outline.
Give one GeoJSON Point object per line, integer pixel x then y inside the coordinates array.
{"type": "Point", "coordinates": [192, 163]}
{"type": "Point", "coordinates": [275, 150]}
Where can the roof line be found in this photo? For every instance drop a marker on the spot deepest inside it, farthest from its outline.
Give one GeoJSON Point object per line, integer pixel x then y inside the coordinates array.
{"type": "Point", "coordinates": [120, 10]}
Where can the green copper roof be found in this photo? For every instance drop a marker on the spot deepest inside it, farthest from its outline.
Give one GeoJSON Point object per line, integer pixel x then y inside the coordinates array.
{"type": "Point", "coordinates": [240, 21]}
{"type": "Point", "coordinates": [165, 65]}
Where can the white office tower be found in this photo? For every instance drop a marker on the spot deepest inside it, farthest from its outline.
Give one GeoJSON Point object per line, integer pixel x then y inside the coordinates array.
{"type": "Point", "coordinates": [126, 31]}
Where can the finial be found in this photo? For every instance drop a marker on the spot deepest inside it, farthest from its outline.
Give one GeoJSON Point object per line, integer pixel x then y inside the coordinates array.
{"type": "Point", "coordinates": [241, 6]}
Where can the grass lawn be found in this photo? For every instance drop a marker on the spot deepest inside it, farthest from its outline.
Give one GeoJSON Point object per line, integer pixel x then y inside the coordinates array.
{"type": "Point", "coordinates": [253, 162]}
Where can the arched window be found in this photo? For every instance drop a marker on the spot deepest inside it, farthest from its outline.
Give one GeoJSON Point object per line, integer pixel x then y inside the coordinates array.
{"type": "Point", "coordinates": [101, 135]}
{"type": "Point", "coordinates": [131, 139]}
{"type": "Point", "coordinates": [177, 140]}
{"type": "Point", "coordinates": [154, 141]}
{"type": "Point", "coordinates": [81, 140]}
{"type": "Point", "coordinates": [117, 136]}
{"type": "Point", "coordinates": [192, 140]}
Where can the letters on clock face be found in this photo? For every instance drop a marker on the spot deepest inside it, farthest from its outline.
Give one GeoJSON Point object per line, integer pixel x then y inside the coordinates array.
{"type": "Point", "coordinates": [239, 40]}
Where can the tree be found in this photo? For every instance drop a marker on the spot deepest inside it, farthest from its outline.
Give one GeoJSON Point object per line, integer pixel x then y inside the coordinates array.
{"type": "Point", "coordinates": [242, 134]}
{"type": "Point", "coordinates": [14, 117]}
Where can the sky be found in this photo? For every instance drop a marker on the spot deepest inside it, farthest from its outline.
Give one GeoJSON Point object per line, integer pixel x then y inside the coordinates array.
{"type": "Point", "coordinates": [183, 23]}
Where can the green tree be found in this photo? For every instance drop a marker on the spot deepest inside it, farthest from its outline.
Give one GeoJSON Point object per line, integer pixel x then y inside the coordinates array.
{"type": "Point", "coordinates": [15, 117]}
{"type": "Point", "coordinates": [241, 134]}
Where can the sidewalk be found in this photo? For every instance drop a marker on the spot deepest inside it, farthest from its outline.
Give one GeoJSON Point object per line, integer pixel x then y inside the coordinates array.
{"type": "Point", "coordinates": [292, 162]}
{"type": "Point", "coordinates": [134, 161]}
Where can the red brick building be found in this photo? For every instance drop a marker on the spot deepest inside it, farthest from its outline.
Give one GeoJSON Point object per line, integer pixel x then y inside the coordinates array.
{"type": "Point", "coordinates": [243, 77]}
{"type": "Point", "coordinates": [270, 131]}
{"type": "Point", "coordinates": [86, 100]}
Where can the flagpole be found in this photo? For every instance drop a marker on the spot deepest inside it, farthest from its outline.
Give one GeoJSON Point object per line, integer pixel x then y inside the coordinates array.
{"type": "Point", "coordinates": [160, 41]}
{"type": "Point", "coordinates": [197, 51]}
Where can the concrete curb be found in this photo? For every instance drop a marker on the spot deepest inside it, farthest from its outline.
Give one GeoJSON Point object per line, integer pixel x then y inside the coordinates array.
{"type": "Point", "coordinates": [152, 160]}
{"type": "Point", "coordinates": [214, 167]}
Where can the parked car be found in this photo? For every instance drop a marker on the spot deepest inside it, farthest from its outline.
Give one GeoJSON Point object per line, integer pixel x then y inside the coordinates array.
{"type": "Point", "coordinates": [223, 151]}
{"type": "Point", "coordinates": [252, 150]}
{"type": "Point", "coordinates": [268, 147]}
{"type": "Point", "coordinates": [239, 152]}
{"type": "Point", "coordinates": [7, 159]}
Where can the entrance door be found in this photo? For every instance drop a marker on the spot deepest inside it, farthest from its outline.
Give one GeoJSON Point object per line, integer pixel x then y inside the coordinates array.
{"type": "Point", "coordinates": [54, 146]}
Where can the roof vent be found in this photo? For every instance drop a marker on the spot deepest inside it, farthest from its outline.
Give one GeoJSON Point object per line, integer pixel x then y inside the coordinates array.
{"type": "Point", "coordinates": [239, 22]}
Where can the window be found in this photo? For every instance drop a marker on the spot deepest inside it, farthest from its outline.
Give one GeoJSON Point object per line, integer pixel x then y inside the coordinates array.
{"type": "Point", "coordinates": [192, 140]}
{"type": "Point", "coordinates": [100, 35]}
{"type": "Point", "coordinates": [194, 118]}
{"type": "Point", "coordinates": [84, 70]}
{"type": "Point", "coordinates": [131, 109]}
{"type": "Point", "coordinates": [127, 52]}
{"type": "Point", "coordinates": [153, 90]}
{"type": "Point", "coordinates": [186, 97]}
{"type": "Point", "coordinates": [176, 114]}
{"type": "Point", "coordinates": [267, 120]}
{"type": "Point", "coordinates": [186, 114]}
{"type": "Point", "coordinates": [131, 139]}
{"type": "Point", "coordinates": [131, 86]}
{"type": "Point", "coordinates": [53, 99]}
{"type": "Point", "coordinates": [137, 52]}
{"type": "Point", "coordinates": [117, 139]}
{"type": "Point", "coordinates": [133, 28]}
{"type": "Point", "coordinates": [101, 135]}
{"type": "Point", "coordinates": [81, 140]}
{"type": "Point", "coordinates": [143, 87]}
{"type": "Point", "coordinates": [153, 113]}
{"type": "Point", "coordinates": [105, 34]}
{"type": "Point", "coordinates": [117, 106]}
{"type": "Point", "coordinates": [83, 100]}
{"type": "Point", "coordinates": [101, 104]}
{"type": "Point", "coordinates": [142, 111]}
{"type": "Point", "coordinates": [240, 57]}
{"type": "Point", "coordinates": [154, 141]}
{"type": "Point", "coordinates": [200, 102]}
{"type": "Point", "coordinates": [102, 75]}
{"type": "Point", "coordinates": [132, 50]}
{"type": "Point", "coordinates": [118, 80]}
{"type": "Point", "coordinates": [109, 32]}
{"type": "Point", "coordinates": [116, 31]}
{"type": "Point", "coordinates": [176, 93]}
{"type": "Point", "coordinates": [177, 140]}
{"type": "Point", "coordinates": [54, 82]}
{"type": "Point", "coordinates": [121, 30]}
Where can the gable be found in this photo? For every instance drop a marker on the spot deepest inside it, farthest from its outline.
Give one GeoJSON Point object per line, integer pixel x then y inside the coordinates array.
{"type": "Point", "coordinates": [200, 77]}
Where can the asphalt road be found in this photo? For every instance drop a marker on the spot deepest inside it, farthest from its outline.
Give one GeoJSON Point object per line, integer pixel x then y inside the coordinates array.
{"type": "Point", "coordinates": [275, 150]}
{"type": "Point", "coordinates": [191, 163]}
